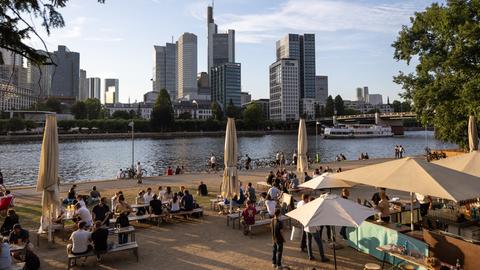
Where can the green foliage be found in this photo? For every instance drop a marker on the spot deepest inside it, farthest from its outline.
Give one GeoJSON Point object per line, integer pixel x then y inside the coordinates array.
{"type": "Point", "coordinates": [79, 110]}
{"type": "Point", "coordinates": [16, 124]}
{"type": "Point", "coordinates": [17, 28]}
{"type": "Point", "coordinates": [349, 111]}
{"type": "Point", "coordinates": [121, 115]}
{"type": "Point", "coordinates": [232, 111]}
{"type": "Point", "coordinates": [50, 105]}
{"type": "Point", "coordinates": [217, 112]}
{"type": "Point", "coordinates": [401, 106]}
{"type": "Point", "coordinates": [445, 87]}
{"type": "Point", "coordinates": [93, 108]}
{"type": "Point", "coordinates": [329, 107]}
{"type": "Point", "coordinates": [253, 116]}
{"type": "Point", "coordinates": [339, 106]}
{"type": "Point", "coordinates": [162, 114]}
{"type": "Point", "coordinates": [185, 115]}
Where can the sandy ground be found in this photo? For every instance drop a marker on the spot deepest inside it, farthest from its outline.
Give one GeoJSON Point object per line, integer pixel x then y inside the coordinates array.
{"type": "Point", "coordinates": [205, 243]}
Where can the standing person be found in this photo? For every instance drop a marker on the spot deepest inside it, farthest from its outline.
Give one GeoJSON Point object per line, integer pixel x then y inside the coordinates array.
{"type": "Point", "coordinates": [425, 201]}
{"type": "Point", "coordinates": [277, 159]}
{"type": "Point", "coordinates": [101, 212]}
{"type": "Point", "coordinates": [250, 193]}
{"type": "Point", "coordinates": [278, 240]}
{"type": "Point", "coordinates": [202, 189]}
{"type": "Point", "coordinates": [1, 180]}
{"type": "Point", "coordinates": [248, 161]}
{"type": "Point", "coordinates": [384, 208]}
{"type": "Point", "coordinates": [213, 162]}
{"type": "Point", "coordinates": [396, 151]}
{"type": "Point", "coordinates": [139, 173]}
{"type": "Point", "coordinates": [315, 233]}
{"type": "Point", "coordinates": [282, 160]}
{"type": "Point", "coordinates": [295, 158]}
{"type": "Point", "coordinates": [343, 230]}
{"type": "Point", "coordinates": [123, 209]}
{"type": "Point", "coordinates": [401, 151]}
{"type": "Point", "coordinates": [303, 241]}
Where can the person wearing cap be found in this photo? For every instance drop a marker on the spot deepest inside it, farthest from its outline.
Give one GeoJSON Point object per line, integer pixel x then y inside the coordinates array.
{"type": "Point", "coordinates": [18, 235]}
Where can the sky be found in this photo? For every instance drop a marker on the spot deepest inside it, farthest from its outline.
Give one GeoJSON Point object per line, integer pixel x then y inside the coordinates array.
{"type": "Point", "coordinates": [353, 38]}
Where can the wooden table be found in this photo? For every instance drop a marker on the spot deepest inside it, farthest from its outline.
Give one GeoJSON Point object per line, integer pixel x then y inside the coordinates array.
{"type": "Point", "coordinates": [127, 230]}
{"type": "Point", "coordinates": [406, 258]}
{"type": "Point", "coordinates": [139, 205]}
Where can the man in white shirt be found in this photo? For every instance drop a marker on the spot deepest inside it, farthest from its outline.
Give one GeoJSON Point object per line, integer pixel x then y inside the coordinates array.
{"type": "Point", "coordinates": [274, 192]}
{"type": "Point", "coordinates": [80, 241]}
{"type": "Point", "coordinates": [213, 161]}
{"type": "Point", "coordinates": [139, 172]}
{"type": "Point", "coordinates": [148, 196]}
{"type": "Point", "coordinates": [84, 214]}
{"type": "Point", "coordinates": [425, 202]}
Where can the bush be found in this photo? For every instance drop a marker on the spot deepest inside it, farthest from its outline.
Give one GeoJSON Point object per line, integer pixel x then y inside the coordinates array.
{"type": "Point", "coordinates": [16, 124]}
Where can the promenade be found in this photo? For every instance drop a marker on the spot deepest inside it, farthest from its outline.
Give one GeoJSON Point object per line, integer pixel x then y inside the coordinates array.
{"type": "Point", "coordinates": [195, 244]}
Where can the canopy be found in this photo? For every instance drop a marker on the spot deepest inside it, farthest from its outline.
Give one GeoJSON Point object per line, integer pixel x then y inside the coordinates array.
{"type": "Point", "coordinates": [230, 184]}
{"type": "Point", "coordinates": [302, 162]}
{"type": "Point", "coordinates": [325, 181]}
{"type": "Point", "coordinates": [47, 181]}
{"type": "Point", "coordinates": [472, 134]}
{"type": "Point", "coordinates": [331, 210]}
{"type": "Point", "coordinates": [416, 175]}
{"type": "Point", "coordinates": [467, 163]}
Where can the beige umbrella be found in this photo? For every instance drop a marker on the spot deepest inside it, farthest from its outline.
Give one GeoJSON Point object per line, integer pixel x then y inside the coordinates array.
{"type": "Point", "coordinates": [466, 163]}
{"type": "Point", "coordinates": [47, 181]}
{"type": "Point", "coordinates": [230, 184]}
{"type": "Point", "coordinates": [472, 134]}
{"type": "Point", "coordinates": [302, 162]}
{"type": "Point", "coordinates": [325, 181]}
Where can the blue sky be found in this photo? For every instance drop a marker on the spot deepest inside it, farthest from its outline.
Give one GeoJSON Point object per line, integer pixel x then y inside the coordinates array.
{"type": "Point", "coordinates": [353, 38]}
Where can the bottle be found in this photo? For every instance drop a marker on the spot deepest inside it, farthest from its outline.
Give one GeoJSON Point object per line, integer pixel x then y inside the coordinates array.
{"type": "Point", "coordinates": [457, 266]}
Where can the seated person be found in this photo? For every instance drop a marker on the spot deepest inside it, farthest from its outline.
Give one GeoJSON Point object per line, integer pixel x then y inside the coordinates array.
{"type": "Point", "coordinates": [10, 220]}
{"type": "Point", "coordinates": [187, 201]}
{"type": "Point", "coordinates": [294, 183]}
{"type": "Point", "coordinates": [202, 189]}
{"type": "Point", "coordinates": [5, 257]}
{"type": "Point", "coordinates": [175, 204]}
{"type": "Point", "coordinates": [32, 262]}
{"type": "Point", "coordinates": [261, 202]}
{"type": "Point", "coordinates": [140, 199]}
{"type": "Point", "coordinates": [18, 235]}
{"type": "Point", "coordinates": [248, 215]}
{"type": "Point", "coordinates": [156, 205]}
{"type": "Point", "coordinates": [80, 241]}
{"type": "Point", "coordinates": [81, 201]}
{"type": "Point", "coordinates": [99, 237]}
{"type": "Point", "coordinates": [270, 203]}
{"type": "Point", "coordinates": [94, 195]}
{"type": "Point", "coordinates": [274, 192]}
{"type": "Point", "coordinates": [101, 212]}
{"type": "Point", "coordinates": [270, 178]}
{"type": "Point", "coordinates": [376, 196]}
{"type": "Point", "coordinates": [82, 214]}
{"type": "Point", "coordinates": [307, 177]}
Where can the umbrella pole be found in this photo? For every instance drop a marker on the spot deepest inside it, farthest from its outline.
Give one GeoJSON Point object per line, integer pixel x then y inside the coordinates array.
{"type": "Point", "coordinates": [411, 211]}
{"type": "Point", "coordinates": [334, 248]}
{"type": "Point", "coordinates": [49, 224]}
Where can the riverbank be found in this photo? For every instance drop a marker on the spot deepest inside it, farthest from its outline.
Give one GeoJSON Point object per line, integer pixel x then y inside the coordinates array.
{"type": "Point", "coordinates": [149, 135]}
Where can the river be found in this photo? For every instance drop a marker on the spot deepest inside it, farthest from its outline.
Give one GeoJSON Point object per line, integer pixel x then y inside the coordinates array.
{"type": "Point", "coordinates": [101, 159]}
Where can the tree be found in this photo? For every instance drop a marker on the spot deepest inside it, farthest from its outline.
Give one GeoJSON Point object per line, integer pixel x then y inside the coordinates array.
{"type": "Point", "coordinates": [16, 124]}
{"type": "Point", "coordinates": [93, 108]}
{"type": "Point", "coordinates": [232, 111]}
{"type": "Point", "coordinates": [217, 112]}
{"type": "Point", "coordinates": [397, 106]}
{"type": "Point", "coordinates": [162, 114]}
{"type": "Point", "coordinates": [79, 110]}
{"type": "Point", "coordinates": [121, 115]}
{"type": "Point", "coordinates": [349, 111]}
{"type": "Point", "coordinates": [339, 106]}
{"type": "Point", "coordinates": [54, 105]}
{"type": "Point", "coordinates": [329, 107]}
{"type": "Point", "coordinates": [185, 115]}
{"type": "Point", "coordinates": [445, 87]}
{"type": "Point", "coordinates": [17, 27]}
{"type": "Point", "coordinates": [253, 116]}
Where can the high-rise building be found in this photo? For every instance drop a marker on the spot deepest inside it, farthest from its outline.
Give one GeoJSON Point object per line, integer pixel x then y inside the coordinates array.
{"type": "Point", "coordinates": [203, 84]}
{"type": "Point", "coordinates": [94, 89]}
{"type": "Point", "coordinates": [66, 77]}
{"type": "Point", "coordinates": [301, 48]}
{"type": "Point", "coordinates": [365, 94]}
{"type": "Point", "coordinates": [83, 88]}
{"type": "Point", "coordinates": [187, 65]}
{"type": "Point", "coordinates": [221, 46]}
{"type": "Point", "coordinates": [321, 89]}
{"type": "Point", "coordinates": [284, 90]}
{"type": "Point", "coordinates": [375, 99]}
{"type": "Point", "coordinates": [225, 84]}
{"type": "Point", "coordinates": [360, 94]}
{"type": "Point", "coordinates": [165, 69]}
{"type": "Point", "coordinates": [111, 91]}
{"type": "Point", "coordinates": [245, 98]}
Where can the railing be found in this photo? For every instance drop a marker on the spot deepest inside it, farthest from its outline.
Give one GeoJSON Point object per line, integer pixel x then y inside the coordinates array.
{"type": "Point", "coordinates": [381, 115]}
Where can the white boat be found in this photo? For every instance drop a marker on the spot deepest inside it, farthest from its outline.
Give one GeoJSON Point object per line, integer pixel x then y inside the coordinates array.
{"type": "Point", "coordinates": [357, 131]}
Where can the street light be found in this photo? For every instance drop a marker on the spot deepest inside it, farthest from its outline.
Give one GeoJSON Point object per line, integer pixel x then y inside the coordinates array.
{"type": "Point", "coordinates": [317, 157]}
{"type": "Point", "coordinates": [132, 125]}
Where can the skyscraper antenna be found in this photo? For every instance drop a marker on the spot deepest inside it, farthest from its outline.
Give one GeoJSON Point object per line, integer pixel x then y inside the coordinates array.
{"type": "Point", "coordinates": [172, 38]}
{"type": "Point", "coordinates": [213, 3]}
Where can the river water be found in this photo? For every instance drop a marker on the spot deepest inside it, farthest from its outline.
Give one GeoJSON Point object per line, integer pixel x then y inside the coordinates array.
{"type": "Point", "coordinates": [101, 159]}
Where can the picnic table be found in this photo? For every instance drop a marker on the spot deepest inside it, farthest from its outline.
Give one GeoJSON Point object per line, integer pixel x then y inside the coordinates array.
{"type": "Point", "coordinates": [130, 230]}
{"type": "Point", "coordinates": [263, 184]}
{"type": "Point", "coordinates": [402, 258]}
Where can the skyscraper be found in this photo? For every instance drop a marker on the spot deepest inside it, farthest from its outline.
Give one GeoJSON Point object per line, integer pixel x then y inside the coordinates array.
{"type": "Point", "coordinates": [111, 91]}
{"type": "Point", "coordinates": [83, 88]}
{"type": "Point", "coordinates": [360, 94]}
{"type": "Point", "coordinates": [165, 69]}
{"type": "Point", "coordinates": [225, 84]}
{"type": "Point", "coordinates": [66, 78]}
{"type": "Point", "coordinates": [186, 65]}
{"type": "Point", "coordinates": [221, 46]}
{"type": "Point", "coordinates": [94, 88]}
{"type": "Point", "coordinates": [365, 94]}
{"type": "Point", "coordinates": [301, 48]}
{"type": "Point", "coordinates": [284, 90]}
{"type": "Point", "coordinates": [321, 89]}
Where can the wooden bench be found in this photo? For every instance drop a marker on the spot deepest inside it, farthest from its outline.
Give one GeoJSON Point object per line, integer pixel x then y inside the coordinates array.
{"type": "Point", "coordinates": [263, 222]}
{"type": "Point", "coordinates": [158, 218]}
{"type": "Point", "coordinates": [233, 217]}
{"type": "Point", "coordinates": [123, 247]}
{"type": "Point", "coordinates": [188, 213]}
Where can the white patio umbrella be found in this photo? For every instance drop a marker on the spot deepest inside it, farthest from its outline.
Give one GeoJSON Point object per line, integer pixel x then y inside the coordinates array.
{"type": "Point", "coordinates": [230, 184]}
{"type": "Point", "coordinates": [416, 175]}
{"type": "Point", "coordinates": [47, 181]}
{"type": "Point", "coordinates": [331, 210]}
{"type": "Point", "coordinates": [472, 134]}
{"type": "Point", "coordinates": [467, 163]}
{"type": "Point", "coordinates": [302, 144]}
{"type": "Point", "coordinates": [325, 181]}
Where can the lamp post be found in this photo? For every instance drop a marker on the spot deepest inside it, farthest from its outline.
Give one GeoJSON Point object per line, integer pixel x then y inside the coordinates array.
{"type": "Point", "coordinates": [132, 125]}
{"type": "Point", "coordinates": [317, 158]}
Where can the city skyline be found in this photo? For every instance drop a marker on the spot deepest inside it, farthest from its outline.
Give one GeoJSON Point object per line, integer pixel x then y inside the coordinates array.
{"type": "Point", "coordinates": [351, 52]}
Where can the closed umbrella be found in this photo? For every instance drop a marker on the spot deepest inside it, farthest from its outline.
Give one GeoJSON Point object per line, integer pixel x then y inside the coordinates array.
{"type": "Point", "coordinates": [467, 163]}
{"type": "Point", "coordinates": [302, 162]}
{"type": "Point", "coordinates": [331, 210]}
{"type": "Point", "coordinates": [47, 181]}
{"type": "Point", "coordinates": [230, 184]}
{"type": "Point", "coordinates": [472, 134]}
{"type": "Point", "coordinates": [325, 181]}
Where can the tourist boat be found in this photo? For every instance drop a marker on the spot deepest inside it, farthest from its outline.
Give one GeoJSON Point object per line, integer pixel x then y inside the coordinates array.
{"type": "Point", "coordinates": [357, 131]}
